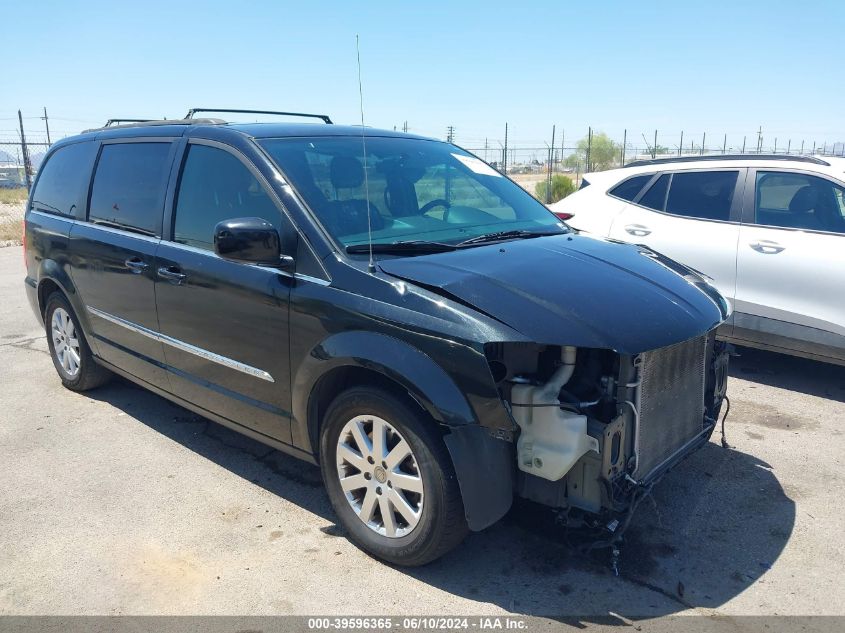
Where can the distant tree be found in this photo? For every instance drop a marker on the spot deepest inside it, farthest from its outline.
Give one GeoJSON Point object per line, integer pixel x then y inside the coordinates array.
{"type": "Point", "coordinates": [603, 154]}
{"type": "Point", "coordinates": [562, 186]}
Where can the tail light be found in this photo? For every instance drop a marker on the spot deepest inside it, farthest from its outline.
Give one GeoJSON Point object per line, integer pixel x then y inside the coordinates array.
{"type": "Point", "coordinates": [562, 215]}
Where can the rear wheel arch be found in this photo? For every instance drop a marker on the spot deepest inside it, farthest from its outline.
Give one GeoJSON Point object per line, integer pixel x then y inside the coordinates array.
{"type": "Point", "coordinates": [45, 289]}
{"type": "Point", "coordinates": [53, 278]}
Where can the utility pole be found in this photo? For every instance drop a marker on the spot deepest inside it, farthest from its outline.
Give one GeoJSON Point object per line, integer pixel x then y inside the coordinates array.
{"type": "Point", "coordinates": [405, 127]}
{"type": "Point", "coordinates": [743, 144]}
{"type": "Point", "coordinates": [562, 147]}
{"type": "Point", "coordinates": [775, 151]}
{"type": "Point", "coordinates": [759, 139]}
{"type": "Point", "coordinates": [725, 144]}
{"type": "Point", "coordinates": [802, 146]}
{"type": "Point", "coordinates": [681, 146]}
{"type": "Point", "coordinates": [47, 125]}
{"type": "Point", "coordinates": [450, 134]}
{"type": "Point", "coordinates": [27, 166]}
{"type": "Point", "coordinates": [788, 146]}
{"type": "Point", "coordinates": [703, 138]}
{"type": "Point", "coordinates": [654, 147]}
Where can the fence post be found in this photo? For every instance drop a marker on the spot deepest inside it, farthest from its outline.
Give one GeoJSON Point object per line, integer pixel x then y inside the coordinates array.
{"type": "Point", "coordinates": [725, 145]}
{"type": "Point", "coordinates": [548, 199]}
{"type": "Point", "coordinates": [703, 139]}
{"type": "Point", "coordinates": [27, 166]}
{"type": "Point", "coordinates": [589, 148]}
{"type": "Point", "coordinates": [624, 145]}
{"type": "Point", "coordinates": [681, 146]}
{"type": "Point", "coordinates": [505, 152]}
{"type": "Point", "coordinates": [654, 147]}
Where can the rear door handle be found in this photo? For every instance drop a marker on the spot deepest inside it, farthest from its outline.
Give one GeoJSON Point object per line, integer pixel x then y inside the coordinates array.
{"type": "Point", "coordinates": [172, 274]}
{"type": "Point", "coordinates": [136, 265]}
{"type": "Point", "coordinates": [767, 247]}
{"type": "Point", "coordinates": [638, 229]}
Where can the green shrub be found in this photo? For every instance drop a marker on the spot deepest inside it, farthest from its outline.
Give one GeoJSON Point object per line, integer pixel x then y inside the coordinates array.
{"type": "Point", "coordinates": [562, 186]}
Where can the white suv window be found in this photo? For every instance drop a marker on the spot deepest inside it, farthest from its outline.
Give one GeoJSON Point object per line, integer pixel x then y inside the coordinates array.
{"type": "Point", "coordinates": [705, 195]}
{"type": "Point", "coordinates": [799, 201]}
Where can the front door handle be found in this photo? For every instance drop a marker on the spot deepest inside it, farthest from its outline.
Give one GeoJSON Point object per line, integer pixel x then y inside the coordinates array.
{"type": "Point", "coordinates": [638, 229]}
{"type": "Point", "coordinates": [136, 265]}
{"type": "Point", "coordinates": [767, 247]}
{"type": "Point", "coordinates": [172, 274]}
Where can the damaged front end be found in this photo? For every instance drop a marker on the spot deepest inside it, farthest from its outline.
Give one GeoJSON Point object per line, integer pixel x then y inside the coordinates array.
{"type": "Point", "coordinates": [597, 429]}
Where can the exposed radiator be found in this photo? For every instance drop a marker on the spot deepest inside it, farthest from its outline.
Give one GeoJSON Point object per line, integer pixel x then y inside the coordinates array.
{"type": "Point", "coordinates": [671, 402]}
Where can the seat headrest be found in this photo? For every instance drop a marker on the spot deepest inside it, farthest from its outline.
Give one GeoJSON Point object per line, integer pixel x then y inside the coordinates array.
{"type": "Point", "coordinates": [346, 172]}
{"type": "Point", "coordinates": [804, 200]}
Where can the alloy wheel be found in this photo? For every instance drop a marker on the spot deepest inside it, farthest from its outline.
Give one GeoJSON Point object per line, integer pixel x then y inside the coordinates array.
{"type": "Point", "coordinates": [380, 476]}
{"type": "Point", "coordinates": [65, 342]}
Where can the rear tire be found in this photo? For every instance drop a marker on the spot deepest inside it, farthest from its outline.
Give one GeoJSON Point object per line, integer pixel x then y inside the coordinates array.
{"type": "Point", "coordinates": [397, 497]}
{"type": "Point", "coordinates": [69, 350]}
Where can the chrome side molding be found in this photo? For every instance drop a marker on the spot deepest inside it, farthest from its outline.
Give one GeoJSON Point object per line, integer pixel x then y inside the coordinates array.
{"type": "Point", "coordinates": [182, 345]}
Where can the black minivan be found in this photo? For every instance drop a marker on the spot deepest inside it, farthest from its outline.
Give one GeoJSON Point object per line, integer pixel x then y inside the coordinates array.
{"type": "Point", "coordinates": [385, 305]}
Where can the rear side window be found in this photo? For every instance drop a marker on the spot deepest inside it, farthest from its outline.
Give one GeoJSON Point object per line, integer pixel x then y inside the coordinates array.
{"type": "Point", "coordinates": [129, 184]}
{"type": "Point", "coordinates": [628, 189]}
{"type": "Point", "coordinates": [704, 194]}
{"type": "Point", "coordinates": [63, 179]}
{"type": "Point", "coordinates": [216, 186]}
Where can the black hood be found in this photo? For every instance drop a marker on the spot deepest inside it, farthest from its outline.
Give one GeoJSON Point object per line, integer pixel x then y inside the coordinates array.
{"type": "Point", "coordinates": [574, 290]}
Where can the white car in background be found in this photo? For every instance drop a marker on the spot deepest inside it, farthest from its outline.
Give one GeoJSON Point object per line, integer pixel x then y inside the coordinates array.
{"type": "Point", "coordinates": [768, 230]}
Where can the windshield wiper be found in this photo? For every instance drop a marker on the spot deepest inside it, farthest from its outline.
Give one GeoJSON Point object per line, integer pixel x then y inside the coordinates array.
{"type": "Point", "coordinates": [507, 235]}
{"type": "Point", "coordinates": [410, 246]}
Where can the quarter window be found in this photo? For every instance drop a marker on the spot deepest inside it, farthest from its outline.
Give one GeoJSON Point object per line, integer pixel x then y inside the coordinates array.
{"type": "Point", "coordinates": [655, 197]}
{"type": "Point", "coordinates": [129, 184]}
{"type": "Point", "coordinates": [628, 189]}
{"type": "Point", "coordinates": [62, 179]}
{"type": "Point", "coordinates": [216, 186]}
{"type": "Point", "coordinates": [799, 201]}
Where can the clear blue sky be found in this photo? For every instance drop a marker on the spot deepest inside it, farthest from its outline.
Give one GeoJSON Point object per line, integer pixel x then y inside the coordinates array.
{"type": "Point", "coordinates": [715, 67]}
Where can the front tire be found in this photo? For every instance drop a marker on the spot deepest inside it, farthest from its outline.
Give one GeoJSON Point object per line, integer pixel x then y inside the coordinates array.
{"type": "Point", "coordinates": [69, 350]}
{"type": "Point", "coordinates": [389, 478]}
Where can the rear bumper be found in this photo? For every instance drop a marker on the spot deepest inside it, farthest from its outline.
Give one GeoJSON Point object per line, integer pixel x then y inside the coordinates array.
{"type": "Point", "coordinates": [31, 287]}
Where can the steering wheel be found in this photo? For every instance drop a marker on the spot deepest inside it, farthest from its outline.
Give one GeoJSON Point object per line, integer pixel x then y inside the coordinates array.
{"type": "Point", "coordinates": [439, 202]}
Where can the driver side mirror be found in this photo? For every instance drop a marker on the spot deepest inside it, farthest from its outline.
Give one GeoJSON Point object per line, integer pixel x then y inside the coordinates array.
{"type": "Point", "coordinates": [250, 241]}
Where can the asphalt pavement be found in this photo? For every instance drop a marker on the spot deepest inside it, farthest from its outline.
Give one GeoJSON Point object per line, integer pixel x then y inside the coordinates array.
{"type": "Point", "coordinates": [119, 502]}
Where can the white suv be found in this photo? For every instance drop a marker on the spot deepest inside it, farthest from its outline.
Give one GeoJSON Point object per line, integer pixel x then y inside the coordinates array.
{"type": "Point", "coordinates": [769, 231]}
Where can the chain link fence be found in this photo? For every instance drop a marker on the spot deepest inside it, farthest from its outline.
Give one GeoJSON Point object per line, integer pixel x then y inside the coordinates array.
{"type": "Point", "coordinates": [24, 140]}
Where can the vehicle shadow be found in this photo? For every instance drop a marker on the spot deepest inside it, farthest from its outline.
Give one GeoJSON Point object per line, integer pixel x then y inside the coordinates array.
{"type": "Point", "coordinates": [717, 522]}
{"type": "Point", "coordinates": [714, 526]}
{"type": "Point", "coordinates": [789, 372]}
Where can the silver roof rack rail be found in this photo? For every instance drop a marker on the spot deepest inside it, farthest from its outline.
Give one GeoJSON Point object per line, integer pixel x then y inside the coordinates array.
{"type": "Point", "coordinates": [323, 117]}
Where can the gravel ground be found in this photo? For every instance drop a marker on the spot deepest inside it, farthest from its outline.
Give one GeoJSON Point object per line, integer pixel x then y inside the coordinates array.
{"type": "Point", "coordinates": [118, 502]}
{"type": "Point", "coordinates": [11, 214]}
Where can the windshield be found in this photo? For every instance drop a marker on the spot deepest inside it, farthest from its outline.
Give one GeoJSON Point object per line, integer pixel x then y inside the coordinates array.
{"type": "Point", "coordinates": [419, 190]}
